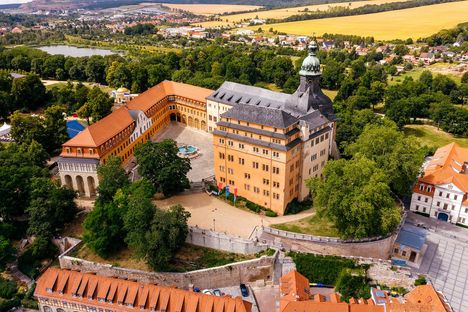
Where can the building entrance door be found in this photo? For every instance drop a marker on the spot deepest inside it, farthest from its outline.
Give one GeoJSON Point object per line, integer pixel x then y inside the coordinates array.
{"type": "Point", "coordinates": [412, 256]}
{"type": "Point", "coordinates": [442, 216]}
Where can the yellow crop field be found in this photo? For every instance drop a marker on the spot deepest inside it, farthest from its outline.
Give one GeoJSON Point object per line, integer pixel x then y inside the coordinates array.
{"type": "Point", "coordinates": [285, 12]}
{"type": "Point", "coordinates": [400, 24]}
{"type": "Point", "coordinates": [212, 9]}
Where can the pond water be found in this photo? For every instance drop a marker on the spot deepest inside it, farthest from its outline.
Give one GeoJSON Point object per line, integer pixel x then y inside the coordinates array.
{"type": "Point", "coordinates": [74, 51]}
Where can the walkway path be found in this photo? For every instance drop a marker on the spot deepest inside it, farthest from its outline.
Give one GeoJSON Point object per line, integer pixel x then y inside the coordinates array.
{"type": "Point", "coordinates": [208, 212]}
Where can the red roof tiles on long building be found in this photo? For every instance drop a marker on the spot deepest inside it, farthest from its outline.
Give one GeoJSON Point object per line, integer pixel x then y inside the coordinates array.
{"type": "Point", "coordinates": [123, 295]}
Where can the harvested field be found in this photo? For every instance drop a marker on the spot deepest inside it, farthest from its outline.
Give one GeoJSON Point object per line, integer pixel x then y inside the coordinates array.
{"type": "Point", "coordinates": [286, 12]}
{"type": "Point", "coordinates": [400, 24]}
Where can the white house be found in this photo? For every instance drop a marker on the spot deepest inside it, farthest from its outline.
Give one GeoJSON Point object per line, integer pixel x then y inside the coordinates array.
{"type": "Point", "coordinates": [442, 190]}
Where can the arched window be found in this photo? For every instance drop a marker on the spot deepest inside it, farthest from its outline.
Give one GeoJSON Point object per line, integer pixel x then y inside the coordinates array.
{"type": "Point", "coordinates": [47, 309]}
{"type": "Point", "coordinates": [60, 310]}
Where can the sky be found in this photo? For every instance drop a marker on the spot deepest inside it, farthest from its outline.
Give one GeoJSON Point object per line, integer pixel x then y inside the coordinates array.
{"type": "Point", "coordinates": [13, 1]}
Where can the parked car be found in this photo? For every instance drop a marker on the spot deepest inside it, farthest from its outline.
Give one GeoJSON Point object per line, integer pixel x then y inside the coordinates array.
{"type": "Point", "coordinates": [244, 290]}
{"type": "Point", "coordinates": [217, 292]}
{"type": "Point", "coordinates": [422, 225]}
{"type": "Point", "coordinates": [207, 292]}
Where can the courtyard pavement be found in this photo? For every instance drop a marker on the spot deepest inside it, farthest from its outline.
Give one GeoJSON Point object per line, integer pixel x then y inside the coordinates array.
{"type": "Point", "coordinates": [209, 212]}
{"type": "Point", "coordinates": [203, 165]}
{"type": "Point", "coordinates": [446, 260]}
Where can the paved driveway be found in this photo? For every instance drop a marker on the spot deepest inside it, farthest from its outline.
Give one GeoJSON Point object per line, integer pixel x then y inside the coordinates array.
{"type": "Point", "coordinates": [446, 261]}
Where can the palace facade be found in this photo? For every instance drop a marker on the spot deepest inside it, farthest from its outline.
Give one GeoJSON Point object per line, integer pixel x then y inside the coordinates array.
{"type": "Point", "coordinates": [60, 290]}
{"type": "Point", "coordinates": [266, 144]}
{"type": "Point", "coordinates": [442, 190]}
{"type": "Point", "coordinates": [121, 131]}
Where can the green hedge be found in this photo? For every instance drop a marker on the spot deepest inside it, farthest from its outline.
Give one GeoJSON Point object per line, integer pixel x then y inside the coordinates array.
{"type": "Point", "coordinates": [353, 283]}
{"type": "Point", "coordinates": [244, 202]}
{"type": "Point", "coordinates": [321, 269]}
{"type": "Point", "coordinates": [295, 206]}
{"type": "Point", "coordinates": [7, 288]}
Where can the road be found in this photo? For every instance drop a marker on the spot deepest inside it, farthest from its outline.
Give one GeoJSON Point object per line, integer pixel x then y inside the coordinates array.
{"type": "Point", "coordinates": [446, 259]}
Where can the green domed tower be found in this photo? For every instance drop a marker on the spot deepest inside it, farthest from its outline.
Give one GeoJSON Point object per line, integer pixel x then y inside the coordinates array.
{"type": "Point", "coordinates": [309, 96]}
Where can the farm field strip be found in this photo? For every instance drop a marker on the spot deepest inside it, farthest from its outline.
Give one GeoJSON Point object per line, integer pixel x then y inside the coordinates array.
{"type": "Point", "coordinates": [212, 9]}
{"type": "Point", "coordinates": [286, 12]}
{"type": "Point", "coordinates": [399, 24]}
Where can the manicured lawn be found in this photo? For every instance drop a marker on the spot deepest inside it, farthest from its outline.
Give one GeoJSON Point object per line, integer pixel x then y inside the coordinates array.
{"type": "Point", "coordinates": [189, 258]}
{"type": "Point", "coordinates": [313, 225]}
{"type": "Point", "coordinates": [432, 137]}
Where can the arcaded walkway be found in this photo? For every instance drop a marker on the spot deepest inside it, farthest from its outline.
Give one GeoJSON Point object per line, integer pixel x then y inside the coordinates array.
{"type": "Point", "coordinates": [229, 219]}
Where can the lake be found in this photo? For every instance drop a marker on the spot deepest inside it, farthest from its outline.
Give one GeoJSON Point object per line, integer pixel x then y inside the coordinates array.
{"type": "Point", "coordinates": [74, 51]}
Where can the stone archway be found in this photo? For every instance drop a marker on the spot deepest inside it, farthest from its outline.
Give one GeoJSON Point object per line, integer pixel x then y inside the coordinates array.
{"type": "Point", "coordinates": [178, 117]}
{"type": "Point", "coordinates": [190, 121]}
{"type": "Point", "coordinates": [68, 181]}
{"type": "Point", "coordinates": [203, 125]}
{"type": "Point", "coordinates": [173, 117]}
{"type": "Point", "coordinates": [184, 119]}
{"type": "Point", "coordinates": [196, 123]}
{"type": "Point", "coordinates": [91, 186]}
{"type": "Point", "coordinates": [80, 185]}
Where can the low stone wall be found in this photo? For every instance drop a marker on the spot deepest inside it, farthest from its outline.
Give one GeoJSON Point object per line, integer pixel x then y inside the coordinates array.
{"type": "Point", "coordinates": [375, 247]}
{"type": "Point", "coordinates": [221, 241]}
{"type": "Point", "coordinates": [224, 276]}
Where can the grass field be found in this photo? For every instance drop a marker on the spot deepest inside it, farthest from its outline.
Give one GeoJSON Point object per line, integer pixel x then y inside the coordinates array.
{"type": "Point", "coordinates": [313, 225]}
{"type": "Point", "coordinates": [212, 9]}
{"type": "Point", "coordinates": [432, 137]}
{"type": "Point", "coordinates": [437, 68]}
{"type": "Point", "coordinates": [286, 12]}
{"type": "Point", "coordinates": [400, 24]}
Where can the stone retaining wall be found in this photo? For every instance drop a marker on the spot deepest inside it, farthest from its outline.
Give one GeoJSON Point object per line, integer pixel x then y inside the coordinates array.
{"type": "Point", "coordinates": [228, 275]}
{"type": "Point", "coordinates": [221, 241]}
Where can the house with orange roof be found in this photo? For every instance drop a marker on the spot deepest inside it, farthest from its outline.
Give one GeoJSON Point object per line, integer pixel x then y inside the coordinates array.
{"type": "Point", "coordinates": [442, 189]}
{"type": "Point", "coordinates": [296, 296]}
{"type": "Point", "coordinates": [68, 291]}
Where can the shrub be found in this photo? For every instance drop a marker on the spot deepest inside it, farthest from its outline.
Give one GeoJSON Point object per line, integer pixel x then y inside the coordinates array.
{"type": "Point", "coordinates": [321, 269]}
{"type": "Point", "coordinates": [421, 280]}
{"type": "Point", "coordinates": [295, 206]}
{"type": "Point", "coordinates": [353, 283]}
{"type": "Point", "coordinates": [270, 213]}
{"type": "Point", "coordinates": [7, 288]}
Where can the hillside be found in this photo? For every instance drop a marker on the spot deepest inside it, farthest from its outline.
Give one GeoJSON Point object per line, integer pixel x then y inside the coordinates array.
{"type": "Point", "coordinates": [99, 4]}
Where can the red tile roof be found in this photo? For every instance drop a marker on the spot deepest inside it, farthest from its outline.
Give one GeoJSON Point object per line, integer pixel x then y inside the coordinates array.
{"type": "Point", "coordinates": [124, 295]}
{"type": "Point", "coordinates": [111, 125]}
{"type": "Point", "coordinates": [445, 167]}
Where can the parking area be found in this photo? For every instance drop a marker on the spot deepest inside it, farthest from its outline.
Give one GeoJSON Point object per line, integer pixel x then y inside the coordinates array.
{"type": "Point", "coordinates": [446, 260]}
{"type": "Point", "coordinates": [235, 291]}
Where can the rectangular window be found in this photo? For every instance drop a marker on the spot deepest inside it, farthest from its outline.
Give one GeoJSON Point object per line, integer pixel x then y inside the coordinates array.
{"type": "Point", "coordinates": [255, 149]}
{"type": "Point", "coordinates": [230, 171]}
{"type": "Point", "coordinates": [265, 152]}
{"type": "Point", "coordinates": [275, 154]}
{"type": "Point", "coordinates": [256, 189]}
{"type": "Point", "coordinates": [241, 146]}
{"type": "Point", "coordinates": [440, 194]}
{"type": "Point", "coordinates": [275, 170]}
{"type": "Point", "coordinates": [230, 158]}
{"type": "Point", "coordinates": [266, 181]}
{"type": "Point", "coordinates": [221, 155]}
{"type": "Point", "coordinates": [230, 143]}
{"type": "Point", "coordinates": [255, 165]}
{"type": "Point", "coordinates": [241, 161]}
{"type": "Point", "coordinates": [221, 141]}
{"type": "Point", "coordinates": [265, 167]}
{"type": "Point", "coordinates": [266, 193]}
{"type": "Point", "coordinates": [455, 197]}
{"type": "Point", "coordinates": [247, 176]}
{"type": "Point", "coordinates": [221, 168]}
{"type": "Point", "coordinates": [313, 157]}
{"type": "Point", "coordinates": [247, 187]}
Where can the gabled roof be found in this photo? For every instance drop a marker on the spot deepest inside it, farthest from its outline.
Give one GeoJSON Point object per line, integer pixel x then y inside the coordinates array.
{"type": "Point", "coordinates": [124, 295]}
{"type": "Point", "coordinates": [102, 130]}
{"type": "Point", "coordinates": [426, 294]}
{"type": "Point", "coordinates": [153, 95]}
{"type": "Point", "coordinates": [294, 286]}
{"type": "Point", "coordinates": [446, 166]}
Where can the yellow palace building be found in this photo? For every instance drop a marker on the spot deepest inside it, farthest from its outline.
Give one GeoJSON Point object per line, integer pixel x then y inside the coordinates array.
{"type": "Point", "coordinates": [266, 144]}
